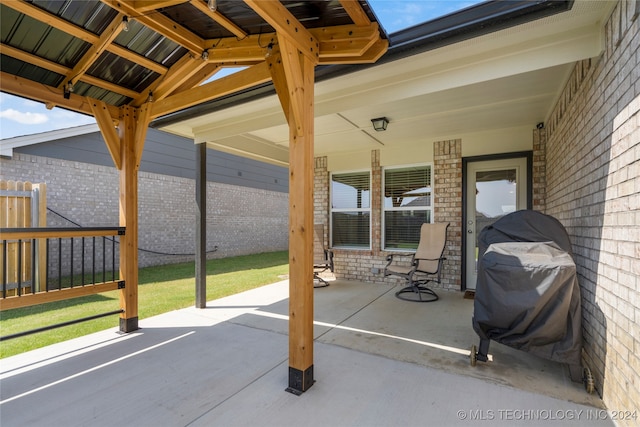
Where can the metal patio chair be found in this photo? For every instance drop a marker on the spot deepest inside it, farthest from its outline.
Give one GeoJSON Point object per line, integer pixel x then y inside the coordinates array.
{"type": "Point", "coordinates": [322, 257]}
{"type": "Point", "coordinates": [425, 265]}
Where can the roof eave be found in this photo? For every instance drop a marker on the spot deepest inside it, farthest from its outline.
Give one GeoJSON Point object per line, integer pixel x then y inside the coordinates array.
{"type": "Point", "coordinates": [475, 21]}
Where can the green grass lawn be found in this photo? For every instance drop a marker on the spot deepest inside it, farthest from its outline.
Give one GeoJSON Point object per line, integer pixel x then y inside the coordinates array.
{"type": "Point", "coordinates": [161, 289]}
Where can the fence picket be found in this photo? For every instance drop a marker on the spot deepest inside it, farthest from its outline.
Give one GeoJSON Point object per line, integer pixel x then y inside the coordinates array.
{"type": "Point", "coordinates": [16, 212]}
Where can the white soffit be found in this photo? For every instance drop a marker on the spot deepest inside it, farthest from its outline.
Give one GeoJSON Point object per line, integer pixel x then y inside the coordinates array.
{"type": "Point", "coordinates": [503, 79]}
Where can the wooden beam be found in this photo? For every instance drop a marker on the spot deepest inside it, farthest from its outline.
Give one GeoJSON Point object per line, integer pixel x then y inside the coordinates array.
{"type": "Point", "coordinates": [285, 24]}
{"type": "Point", "coordinates": [222, 20]}
{"type": "Point", "coordinates": [106, 38]}
{"type": "Point", "coordinates": [160, 24]}
{"type": "Point", "coordinates": [355, 12]}
{"type": "Point", "coordinates": [143, 115]}
{"type": "Point", "coordinates": [241, 80]}
{"type": "Point", "coordinates": [198, 78]}
{"type": "Point", "coordinates": [51, 20]}
{"type": "Point", "coordinates": [251, 48]}
{"type": "Point", "coordinates": [369, 57]}
{"type": "Point", "coordinates": [33, 59]}
{"type": "Point", "coordinates": [48, 95]}
{"type": "Point", "coordinates": [61, 69]}
{"type": "Point", "coordinates": [146, 6]}
{"type": "Point", "coordinates": [108, 130]}
{"type": "Point", "coordinates": [346, 41]}
{"type": "Point", "coordinates": [295, 85]}
{"type": "Point", "coordinates": [137, 58]}
{"type": "Point", "coordinates": [280, 82]}
{"type": "Point", "coordinates": [180, 72]}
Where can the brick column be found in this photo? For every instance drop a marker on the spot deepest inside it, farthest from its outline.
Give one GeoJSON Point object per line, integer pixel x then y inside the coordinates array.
{"type": "Point", "coordinates": [539, 169]}
{"type": "Point", "coordinates": [376, 203]}
{"type": "Point", "coordinates": [321, 194]}
{"type": "Point", "coordinates": [447, 191]}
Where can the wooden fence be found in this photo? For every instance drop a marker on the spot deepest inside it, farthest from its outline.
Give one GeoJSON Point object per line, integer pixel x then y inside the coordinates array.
{"type": "Point", "coordinates": [23, 205]}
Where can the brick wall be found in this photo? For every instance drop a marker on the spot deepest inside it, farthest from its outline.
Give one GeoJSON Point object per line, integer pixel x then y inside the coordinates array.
{"type": "Point", "coordinates": [593, 188]}
{"type": "Point", "coordinates": [447, 205]}
{"type": "Point", "coordinates": [367, 265]}
{"type": "Point", "coordinates": [240, 220]}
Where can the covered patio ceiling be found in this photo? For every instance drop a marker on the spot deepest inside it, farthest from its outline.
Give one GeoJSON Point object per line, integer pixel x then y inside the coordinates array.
{"type": "Point", "coordinates": [503, 73]}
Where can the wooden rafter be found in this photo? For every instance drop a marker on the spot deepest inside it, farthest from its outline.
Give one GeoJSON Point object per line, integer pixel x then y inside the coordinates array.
{"type": "Point", "coordinates": [48, 95]}
{"type": "Point", "coordinates": [145, 6]}
{"type": "Point", "coordinates": [160, 24]}
{"type": "Point", "coordinates": [219, 18]}
{"type": "Point", "coordinates": [355, 12]}
{"type": "Point", "coordinates": [244, 79]}
{"type": "Point", "coordinates": [61, 69]}
{"type": "Point", "coordinates": [198, 78]}
{"type": "Point", "coordinates": [82, 34]}
{"type": "Point", "coordinates": [92, 55]}
{"type": "Point", "coordinates": [180, 72]}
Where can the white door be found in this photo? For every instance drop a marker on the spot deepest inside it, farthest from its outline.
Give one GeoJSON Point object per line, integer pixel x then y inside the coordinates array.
{"type": "Point", "coordinates": [494, 189]}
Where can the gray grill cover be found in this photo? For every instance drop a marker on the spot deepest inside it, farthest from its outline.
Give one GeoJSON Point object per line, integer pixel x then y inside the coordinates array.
{"type": "Point", "coordinates": [527, 294]}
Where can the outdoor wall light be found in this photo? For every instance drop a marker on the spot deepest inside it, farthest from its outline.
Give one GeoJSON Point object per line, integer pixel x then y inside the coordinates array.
{"type": "Point", "coordinates": [212, 5]}
{"type": "Point", "coordinates": [125, 24]}
{"type": "Point", "coordinates": [380, 124]}
{"type": "Point", "coordinates": [269, 50]}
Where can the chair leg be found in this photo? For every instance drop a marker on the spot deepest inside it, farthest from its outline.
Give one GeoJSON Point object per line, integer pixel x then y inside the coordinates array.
{"type": "Point", "coordinates": [417, 292]}
{"type": "Point", "coordinates": [319, 282]}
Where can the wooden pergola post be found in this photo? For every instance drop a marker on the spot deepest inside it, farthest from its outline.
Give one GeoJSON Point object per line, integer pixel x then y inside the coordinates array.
{"type": "Point", "coordinates": [293, 77]}
{"type": "Point", "coordinates": [129, 220]}
{"type": "Point", "coordinates": [125, 143]}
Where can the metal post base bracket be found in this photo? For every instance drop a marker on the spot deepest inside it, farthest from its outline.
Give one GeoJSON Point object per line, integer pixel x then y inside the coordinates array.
{"type": "Point", "coordinates": [300, 381]}
{"type": "Point", "coordinates": [128, 325]}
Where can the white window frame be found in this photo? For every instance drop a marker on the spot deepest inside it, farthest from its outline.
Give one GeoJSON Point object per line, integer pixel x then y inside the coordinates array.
{"type": "Point", "coordinates": [332, 209]}
{"type": "Point", "coordinates": [402, 208]}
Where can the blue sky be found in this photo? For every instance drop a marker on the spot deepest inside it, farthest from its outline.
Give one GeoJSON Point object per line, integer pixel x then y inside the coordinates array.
{"type": "Point", "coordinates": [20, 117]}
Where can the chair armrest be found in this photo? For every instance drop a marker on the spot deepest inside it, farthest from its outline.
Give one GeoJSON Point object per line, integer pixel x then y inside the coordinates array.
{"type": "Point", "coordinates": [391, 257]}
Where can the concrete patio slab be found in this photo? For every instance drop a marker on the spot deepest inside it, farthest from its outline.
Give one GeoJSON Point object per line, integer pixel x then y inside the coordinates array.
{"type": "Point", "coordinates": [378, 361]}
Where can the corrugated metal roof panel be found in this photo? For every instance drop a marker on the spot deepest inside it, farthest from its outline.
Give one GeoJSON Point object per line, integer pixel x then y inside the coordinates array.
{"type": "Point", "coordinates": [150, 44]}
{"type": "Point", "coordinates": [21, 68]}
{"type": "Point", "coordinates": [121, 71]}
{"type": "Point", "coordinates": [93, 16]}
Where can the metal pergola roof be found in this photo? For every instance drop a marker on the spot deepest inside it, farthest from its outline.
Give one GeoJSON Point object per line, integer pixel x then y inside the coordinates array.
{"type": "Point", "coordinates": [130, 52]}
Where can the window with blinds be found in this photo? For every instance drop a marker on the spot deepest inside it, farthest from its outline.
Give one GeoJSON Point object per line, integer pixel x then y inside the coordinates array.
{"type": "Point", "coordinates": [407, 205]}
{"type": "Point", "coordinates": [351, 210]}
